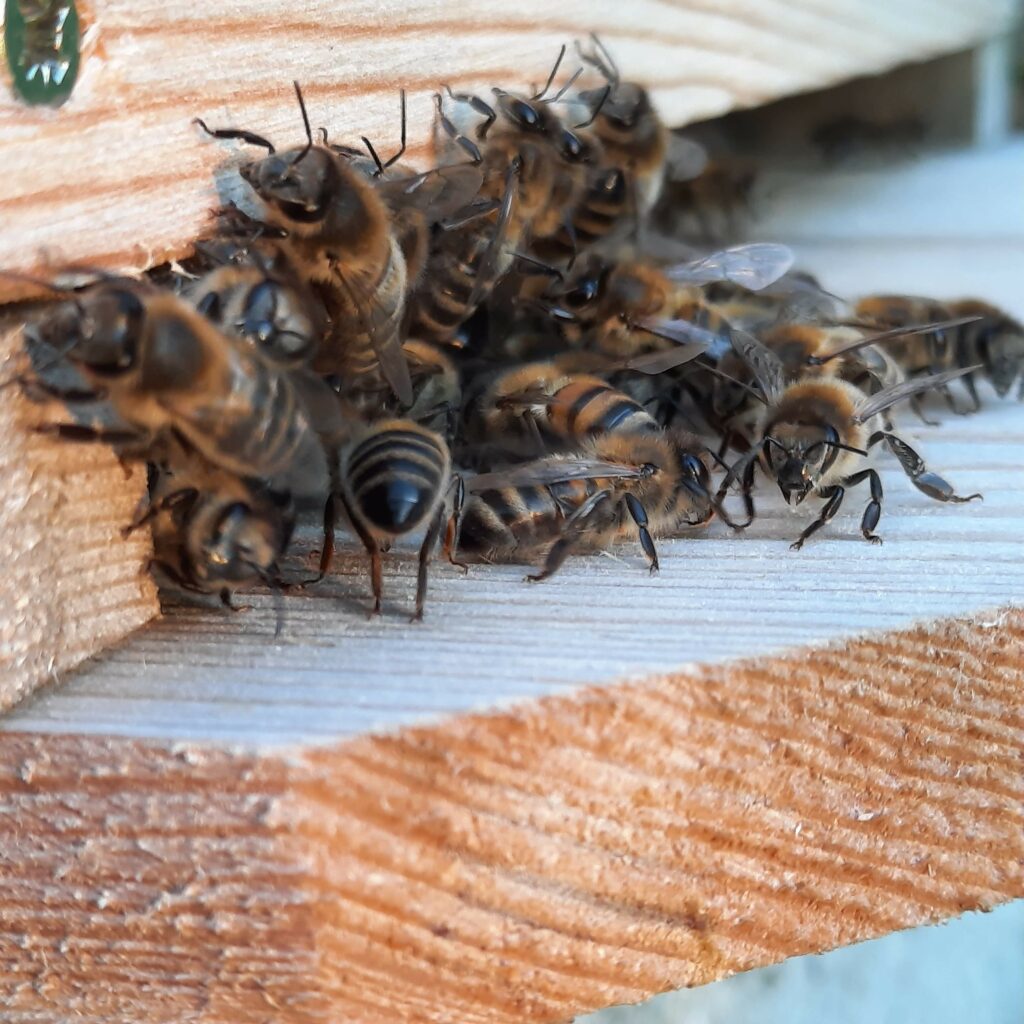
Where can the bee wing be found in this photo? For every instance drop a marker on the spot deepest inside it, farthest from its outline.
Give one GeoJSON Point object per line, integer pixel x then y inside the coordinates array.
{"type": "Point", "coordinates": [544, 471]}
{"type": "Point", "coordinates": [438, 193]}
{"type": "Point", "coordinates": [659, 362]}
{"type": "Point", "coordinates": [764, 364]}
{"type": "Point", "coordinates": [685, 332]}
{"type": "Point", "coordinates": [896, 332]}
{"type": "Point", "coordinates": [874, 404]}
{"type": "Point", "coordinates": [687, 159]}
{"type": "Point", "coordinates": [753, 266]}
{"type": "Point", "coordinates": [488, 268]}
{"type": "Point", "coordinates": [387, 345]}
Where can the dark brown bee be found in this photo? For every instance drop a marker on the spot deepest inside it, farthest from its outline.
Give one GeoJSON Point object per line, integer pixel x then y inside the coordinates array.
{"type": "Point", "coordinates": [395, 477]}
{"type": "Point", "coordinates": [814, 430]}
{"type": "Point", "coordinates": [613, 486]}
{"type": "Point", "coordinates": [994, 341]}
{"type": "Point", "coordinates": [436, 387]}
{"type": "Point", "coordinates": [339, 235]}
{"type": "Point", "coordinates": [532, 165]}
{"type": "Point", "coordinates": [167, 370]}
{"type": "Point", "coordinates": [215, 533]}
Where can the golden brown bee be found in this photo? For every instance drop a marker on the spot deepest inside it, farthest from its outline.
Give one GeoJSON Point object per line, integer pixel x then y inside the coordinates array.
{"type": "Point", "coordinates": [166, 370]}
{"type": "Point", "coordinates": [436, 387]}
{"type": "Point", "coordinates": [395, 477]}
{"type": "Point", "coordinates": [630, 307]}
{"type": "Point", "coordinates": [716, 201]}
{"type": "Point", "coordinates": [993, 340]}
{"type": "Point", "coordinates": [215, 533]}
{"type": "Point", "coordinates": [339, 235]}
{"type": "Point", "coordinates": [533, 166]}
{"type": "Point", "coordinates": [266, 305]}
{"type": "Point", "coordinates": [814, 430]}
{"type": "Point", "coordinates": [539, 403]}
{"type": "Point", "coordinates": [633, 140]}
{"type": "Point", "coordinates": [656, 484]}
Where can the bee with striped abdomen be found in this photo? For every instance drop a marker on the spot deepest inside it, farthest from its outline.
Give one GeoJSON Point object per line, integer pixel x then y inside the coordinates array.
{"type": "Point", "coordinates": [813, 432]}
{"type": "Point", "coordinates": [612, 486]}
{"type": "Point", "coordinates": [396, 475]}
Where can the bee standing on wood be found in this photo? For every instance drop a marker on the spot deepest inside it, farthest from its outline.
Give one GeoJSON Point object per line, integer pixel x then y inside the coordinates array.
{"type": "Point", "coordinates": [988, 340]}
{"type": "Point", "coordinates": [396, 476]}
{"type": "Point", "coordinates": [814, 431]}
{"type": "Point", "coordinates": [612, 486]}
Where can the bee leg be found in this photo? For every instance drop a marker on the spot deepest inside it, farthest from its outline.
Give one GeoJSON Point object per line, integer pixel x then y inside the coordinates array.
{"type": "Point", "coordinates": [874, 510]}
{"type": "Point", "coordinates": [639, 514]}
{"type": "Point", "coordinates": [455, 135]}
{"type": "Point", "coordinates": [972, 392]}
{"type": "Point", "coordinates": [36, 390]}
{"type": "Point", "coordinates": [573, 531]}
{"type": "Point", "coordinates": [453, 531]}
{"type": "Point", "coordinates": [533, 432]}
{"type": "Point", "coordinates": [186, 496]}
{"type": "Point", "coordinates": [225, 599]}
{"type": "Point", "coordinates": [950, 400]}
{"type": "Point", "coordinates": [426, 551]}
{"type": "Point", "coordinates": [914, 466]}
{"type": "Point", "coordinates": [835, 499]}
{"type": "Point", "coordinates": [918, 409]}
{"type": "Point", "coordinates": [80, 432]}
{"type": "Point", "coordinates": [373, 550]}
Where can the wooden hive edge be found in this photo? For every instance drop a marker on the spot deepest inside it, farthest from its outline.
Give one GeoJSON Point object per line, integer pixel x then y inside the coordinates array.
{"type": "Point", "coordinates": [524, 865]}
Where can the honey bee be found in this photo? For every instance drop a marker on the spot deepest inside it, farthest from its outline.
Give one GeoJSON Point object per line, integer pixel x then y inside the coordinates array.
{"type": "Point", "coordinates": [652, 483]}
{"type": "Point", "coordinates": [339, 234]}
{"type": "Point", "coordinates": [988, 337]}
{"type": "Point", "coordinates": [436, 387]}
{"type": "Point", "coordinates": [395, 478]}
{"type": "Point", "coordinates": [635, 145]}
{"type": "Point", "coordinates": [630, 307]}
{"type": "Point", "coordinates": [216, 533]}
{"type": "Point", "coordinates": [166, 370]}
{"type": "Point", "coordinates": [814, 430]}
{"type": "Point", "coordinates": [532, 166]}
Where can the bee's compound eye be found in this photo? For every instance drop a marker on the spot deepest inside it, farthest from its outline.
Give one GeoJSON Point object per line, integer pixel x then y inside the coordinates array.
{"type": "Point", "coordinates": [692, 466]}
{"type": "Point", "coordinates": [524, 114]}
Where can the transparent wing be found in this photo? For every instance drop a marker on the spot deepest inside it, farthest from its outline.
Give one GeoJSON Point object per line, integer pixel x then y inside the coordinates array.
{"type": "Point", "coordinates": [881, 401]}
{"type": "Point", "coordinates": [896, 332]}
{"type": "Point", "coordinates": [660, 362]}
{"type": "Point", "coordinates": [438, 193]}
{"type": "Point", "coordinates": [685, 332]}
{"type": "Point", "coordinates": [488, 269]}
{"type": "Point", "coordinates": [553, 471]}
{"type": "Point", "coordinates": [687, 159]}
{"type": "Point", "coordinates": [763, 363]}
{"type": "Point", "coordinates": [753, 266]}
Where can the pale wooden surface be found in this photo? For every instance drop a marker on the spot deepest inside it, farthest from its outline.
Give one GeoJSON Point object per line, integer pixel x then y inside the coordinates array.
{"type": "Point", "coordinates": [69, 585]}
{"type": "Point", "coordinates": [521, 866]}
{"type": "Point", "coordinates": [120, 176]}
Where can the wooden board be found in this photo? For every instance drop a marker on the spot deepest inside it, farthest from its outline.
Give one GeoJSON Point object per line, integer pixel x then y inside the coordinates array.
{"type": "Point", "coordinates": [520, 866]}
{"type": "Point", "coordinates": [119, 176]}
{"type": "Point", "coordinates": [69, 584]}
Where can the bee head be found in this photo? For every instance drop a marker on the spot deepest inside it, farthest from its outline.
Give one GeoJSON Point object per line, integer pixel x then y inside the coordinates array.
{"type": "Point", "coordinates": [301, 184]}
{"type": "Point", "coordinates": [575, 148]}
{"type": "Point", "coordinates": [798, 456]}
{"type": "Point", "coordinates": [279, 323]}
{"type": "Point", "coordinates": [693, 500]}
{"type": "Point", "coordinates": [101, 331]}
{"type": "Point", "coordinates": [581, 298]}
{"type": "Point", "coordinates": [239, 545]}
{"type": "Point", "coordinates": [525, 115]}
{"type": "Point", "coordinates": [625, 108]}
{"type": "Point", "coordinates": [1000, 345]}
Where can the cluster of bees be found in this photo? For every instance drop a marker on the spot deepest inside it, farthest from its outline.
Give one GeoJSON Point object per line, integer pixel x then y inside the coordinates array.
{"type": "Point", "coordinates": [484, 355]}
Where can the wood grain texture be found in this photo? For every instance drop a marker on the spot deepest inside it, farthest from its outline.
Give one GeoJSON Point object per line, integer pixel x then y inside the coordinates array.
{"type": "Point", "coordinates": [524, 865]}
{"type": "Point", "coordinates": [69, 584]}
{"type": "Point", "coordinates": [120, 177]}
{"type": "Point", "coordinates": [490, 639]}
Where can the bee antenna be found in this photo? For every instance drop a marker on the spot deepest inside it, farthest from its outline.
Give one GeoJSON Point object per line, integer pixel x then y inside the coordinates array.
{"type": "Point", "coordinates": [565, 88]}
{"type": "Point", "coordinates": [605, 93]}
{"type": "Point", "coordinates": [305, 121]}
{"type": "Point", "coordinates": [606, 60]}
{"type": "Point", "coordinates": [235, 133]}
{"type": "Point", "coordinates": [373, 156]}
{"type": "Point", "coordinates": [551, 77]}
{"type": "Point", "coordinates": [846, 447]}
{"type": "Point", "coordinates": [323, 135]}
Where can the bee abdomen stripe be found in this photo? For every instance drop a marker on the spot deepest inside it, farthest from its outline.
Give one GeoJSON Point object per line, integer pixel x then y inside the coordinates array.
{"type": "Point", "coordinates": [373, 472]}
